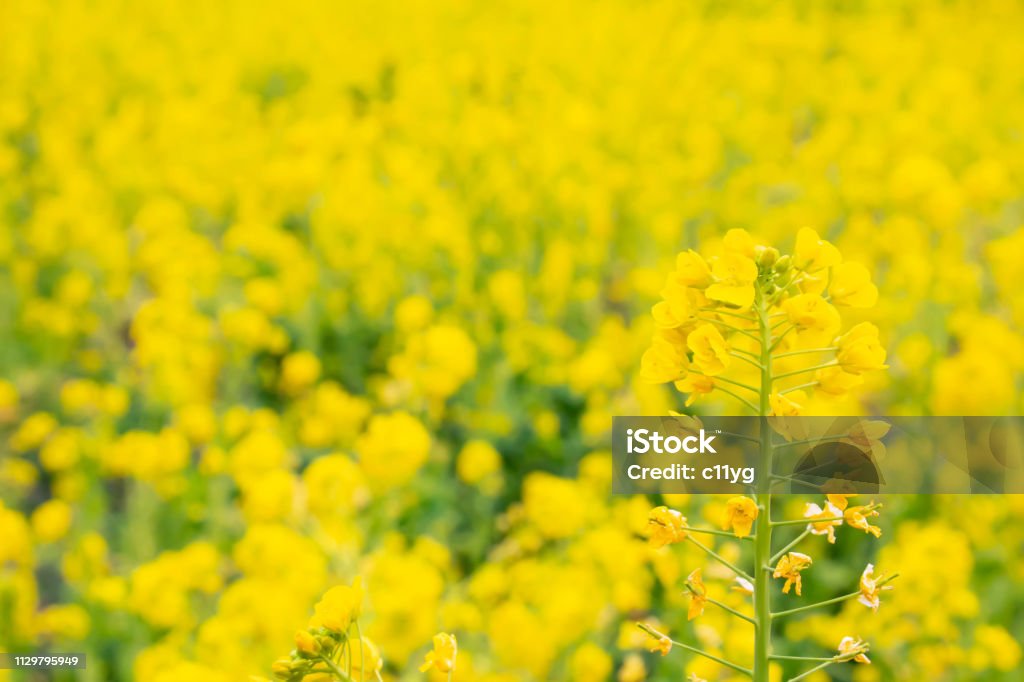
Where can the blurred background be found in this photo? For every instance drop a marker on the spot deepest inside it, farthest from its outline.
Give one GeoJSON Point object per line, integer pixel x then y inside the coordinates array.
{"type": "Point", "coordinates": [293, 292]}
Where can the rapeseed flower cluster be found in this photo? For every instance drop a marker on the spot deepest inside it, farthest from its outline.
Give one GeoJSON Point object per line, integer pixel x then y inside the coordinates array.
{"type": "Point", "coordinates": [762, 317]}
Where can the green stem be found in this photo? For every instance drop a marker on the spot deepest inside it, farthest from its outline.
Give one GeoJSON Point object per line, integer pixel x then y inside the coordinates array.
{"type": "Point", "coordinates": [729, 327]}
{"type": "Point", "coordinates": [782, 552]}
{"type": "Point", "coordinates": [335, 669]}
{"type": "Point", "coordinates": [725, 562]}
{"type": "Point", "coordinates": [728, 381]}
{"type": "Point", "coordinates": [362, 653]}
{"type": "Point", "coordinates": [723, 533]}
{"type": "Point", "coordinates": [726, 312]}
{"type": "Point", "coordinates": [814, 670]}
{"type": "Point", "coordinates": [752, 356]}
{"type": "Point", "coordinates": [728, 664]}
{"type": "Point", "coordinates": [763, 533]}
{"type": "Point", "coordinates": [744, 358]}
{"type": "Point", "coordinates": [801, 658]}
{"type": "Point", "coordinates": [778, 339]}
{"type": "Point", "coordinates": [804, 352]}
{"type": "Point", "coordinates": [731, 610]}
{"type": "Point", "coordinates": [812, 368]}
{"type": "Point", "coordinates": [808, 607]}
{"type": "Point", "coordinates": [798, 387]}
{"type": "Point", "coordinates": [737, 396]}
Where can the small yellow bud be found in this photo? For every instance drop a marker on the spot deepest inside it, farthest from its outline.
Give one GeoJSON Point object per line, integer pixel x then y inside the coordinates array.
{"type": "Point", "coordinates": [282, 668]}
{"type": "Point", "coordinates": [767, 256]}
{"type": "Point", "coordinates": [307, 643]}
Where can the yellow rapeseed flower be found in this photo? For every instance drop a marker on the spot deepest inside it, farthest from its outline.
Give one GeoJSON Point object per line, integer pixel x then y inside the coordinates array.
{"type": "Point", "coordinates": [857, 517]}
{"type": "Point", "coordinates": [823, 521]}
{"type": "Point", "coordinates": [692, 270]}
{"type": "Point", "coordinates": [734, 280]}
{"type": "Point", "coordinates": [855, 648]}
{"type": "Point", "coordinates": [307, 643]}
{"type": "Point", "coordinates": [710, 351]}
{"type": "Point", "coordinates": [859, 349]}
{"type": "Point", "coordinates": [663, 644]}
{"type": "Point", "coordinates": [663, 362]}
{"type": "Point", "coordinates": [812, 253]}
{"type": "Point", "coordinates": [740, 514]}
{"type": "Point", "coordinates": [870, 590]}
{"type": "Point", "coordinates": [698, 594]}
{"type": "Point", "coordinates": [789, 567]}
{"type": "Point", "coordinates": [442, 656]}
{"type": "Point", "coordinates": [851, 286]}
{"type": "Point", "coordinates": [366, 659]}
{"type": "Point", "coordinates": [666, 527]}
{"type": "Point", "coordinates": [339, 607]}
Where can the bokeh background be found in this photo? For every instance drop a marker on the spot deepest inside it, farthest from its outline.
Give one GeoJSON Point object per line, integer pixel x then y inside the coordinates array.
{"type": "Point", "coordinates": [295, 291]}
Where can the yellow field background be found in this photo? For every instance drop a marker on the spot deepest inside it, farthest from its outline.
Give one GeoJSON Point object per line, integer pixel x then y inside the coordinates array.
{"type": "Point", "coordinates": [292, 292]}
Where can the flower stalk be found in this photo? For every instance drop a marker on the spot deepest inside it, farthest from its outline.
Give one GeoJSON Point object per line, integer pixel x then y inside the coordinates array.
{"type": "Point", "coordinates": [763, 532]}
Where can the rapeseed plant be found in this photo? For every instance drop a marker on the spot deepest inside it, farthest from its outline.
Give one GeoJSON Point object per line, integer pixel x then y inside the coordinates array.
{"type": "Point", "coordinates": [753, 312]}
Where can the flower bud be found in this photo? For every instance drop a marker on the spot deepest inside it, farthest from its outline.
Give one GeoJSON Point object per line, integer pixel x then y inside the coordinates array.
{"type": "Point", "coordinates": [767, 256]}
{"type": "Point", "coordinates": [282, 668]}
{"type": "Point", "coordinates": [306, 643]}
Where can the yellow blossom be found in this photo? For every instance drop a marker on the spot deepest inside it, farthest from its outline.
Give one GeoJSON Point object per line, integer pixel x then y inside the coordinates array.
{"type": "Point", "coordinates": [857, 517]}
{"type": "Point", "coordinates": [299, 371]}
{"type": "Point", "coordinates": [855, 648]}
{"type": "Point", "coordinates": [740, 242]}
{"type": "Point", "coordinates": [710, 351]}
{"type": "Point", "coordinates": [306, 642]}
{"type": "Point", "coordinates": [696, 385]}
{"type": "Point", "coordinates": [789, 567]}
{"type": "Point", "coordinates": [691, 270]}
{"type": "Point", "coordinates": [851, 286]}
{"type": "Point", "coordinates": [812, 253]}
{"type": "Point", "coordinates": [477, 462]}
{"type": "Point", "coordinates": [734, 280]}
{"type": "Point", "coordinates": [442, 656]}
{"type": "Point", "coordinates": [870, 590]}
{"type": "Point", "coordinates": [812, 312]}
{"type": "Point", "coordinates": [698, 594]}
{"type": "Point", "coordinates": [661, 644]}
{"type": "Point", "coordinates": [788, 404]}
{"type": "Point", "coordinates": [666, 527]}
{"type": "Point", "coordinates": [339, 607]}
{"type": "Point", "coordinates": [366, 659]}
{"type": "Point", "coordinates": [740, 514]}
{"type": "Point", "coordinates": [663, 362]}
{"type": "Point", "coordinates": [840, 502]}
{"type": "Point", "coordinates": [859, 349]}
{"type": "Point", "coordinates": [680, 304]}
{"type": "Point", "coordinates": [51, 520]}
{"type": "Point", "coordinates": [834, 381]}
{"type": "Point", "coordinates": [823, 521]}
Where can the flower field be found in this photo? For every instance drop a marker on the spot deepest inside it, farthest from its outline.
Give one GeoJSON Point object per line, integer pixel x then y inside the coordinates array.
{"type": "Point", "coordinates": [315, 317]}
